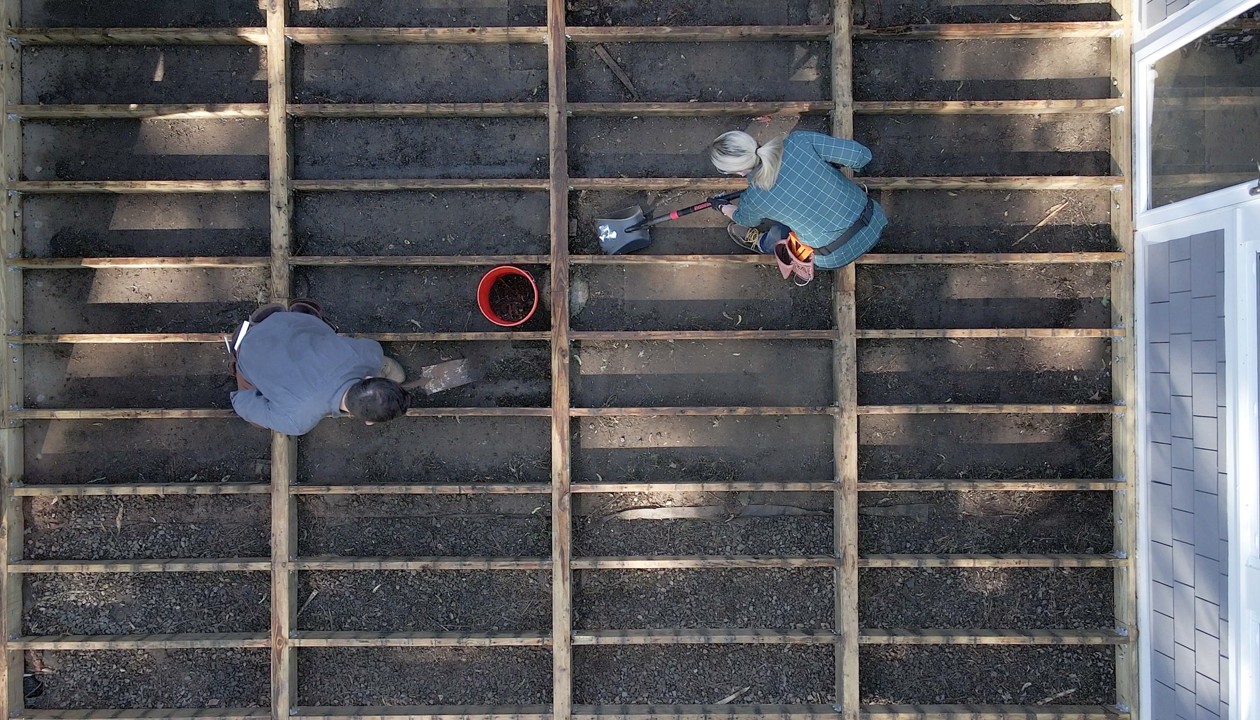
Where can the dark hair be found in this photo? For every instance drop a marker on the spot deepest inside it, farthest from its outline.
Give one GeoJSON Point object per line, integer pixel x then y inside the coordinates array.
{"type": "Point", "coordinates": [377, 400]}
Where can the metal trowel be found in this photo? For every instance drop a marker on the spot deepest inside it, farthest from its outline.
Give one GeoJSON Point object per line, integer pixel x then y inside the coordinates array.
{"type": "Point", "coordinates": [442, 376]}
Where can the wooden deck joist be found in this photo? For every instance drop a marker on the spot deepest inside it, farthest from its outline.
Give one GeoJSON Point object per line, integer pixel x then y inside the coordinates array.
{"type": "Point", "coordinates": [309, 638]}
{"type": "Point", "coordinates": [1047, 485]}
{"type": "Point", "coordinates": [991, 637]}
{"type": "Point", "coordinates": [411, 564]}
{"type": "Point", "coordinates": [155, 262]}
{"type": "Point", "coordinates": [138, 489]}
{"type": "Point", "coordinates": [195, 111]}
{"type": "Point", "coordinates": [993, 31]}
{"type": "Point", "coordinates": [1009, 182]}
{"type": "Point", "coordinates": [609, 712]}
{"type": "Point", "coordinates": [162, 641]}
{"type": "Point", "coordinates": [34, 567]}
{"type": "Point", "coordinates": [217, 338]}
{"type": "Point", "coordinates": [704, 636]}
{"type": "Point", "coordinates": [727, 486]}
{"type": "Point", "coordinates": [535, 564]}
{"type": "Point", "coordinates": [525, 488]}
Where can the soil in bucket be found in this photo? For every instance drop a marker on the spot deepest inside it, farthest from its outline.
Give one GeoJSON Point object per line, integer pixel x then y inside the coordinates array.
{"type": "Point", "coordinates": [511, 298]}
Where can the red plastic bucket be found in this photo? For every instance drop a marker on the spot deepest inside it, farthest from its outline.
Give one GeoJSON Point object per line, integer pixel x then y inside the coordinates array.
{"type": "Point", "coordinates": [483, 294]}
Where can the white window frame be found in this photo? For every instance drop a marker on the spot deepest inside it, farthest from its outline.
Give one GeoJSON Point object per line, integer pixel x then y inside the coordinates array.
{"type": "Point", "coordinates": [1181, 29]}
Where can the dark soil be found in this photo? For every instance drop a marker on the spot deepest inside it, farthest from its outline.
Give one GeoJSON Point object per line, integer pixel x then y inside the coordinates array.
{"type": "Point", "coordinates": [984, 371]}
{"type": "Point", "coordinates": [126, 74]}
{"type": "Point", "coordinates": [473, 601]}
{"type": "Point", "coordinates": [153, 679]}
{"type": "Point", "coordinates": [512, 297]}
{"type": "Point", "coordinates": [704, 674]}
{"type": "Point", "coordinates": [704, 599]}
{"type": "Point", "coordinates": [424, 676]}
{"type": "Point", "coordinates": [119, 604]}
{"type": "Point", "coordinates": [1014, 675]}
{"type": "Point", "coordinates": [196, 224]}
{"type": "Point", "coordinates": [129, 13]}
{"type": "Point", "coordinates": [455, 222]}
{"type": "Point", "coordinates": [427, 450]}
{"type": "Point", "coordinates": [401, 526]}
{"type": "Point", "coordinates": [984, 296]}
{"type": "Point", "coordinates": [411, 299]}
{"type": "Point", "coordinates": [998, 599]}
{"type": "Point", "coordinates": [1066, 68]}
{"type": "Point", "coordinates": [702, 373]}
{"type": "Point", "coordinates": [151, 149]}
{"type": "Point", "coordinates": [115, 528]}
{"type": "Point", "coordinates": [985, 522]}
{"type": "Point", "coordinates": [68, 452]}
{"type": "Point", "coordinates": [508, 374]}
{"type": "Point", "coordinates": [707, 524]}
{"type": "Point", "coordinates": [158, 375]}
{"type": "Point", "coordinates": [367, 148]}
{"type": "Point", "coordinates": [888, 13]}
{"type": "Point", "coordinates": [700, 297]}
{"type": "Point", "coordinates": [980, 447]}
{"type": "Point", "coordinates": [994, 221]}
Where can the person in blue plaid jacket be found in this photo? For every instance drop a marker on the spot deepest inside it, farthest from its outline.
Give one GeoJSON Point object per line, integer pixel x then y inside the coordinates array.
{"type": "Point", "coordinates": [795, 183]}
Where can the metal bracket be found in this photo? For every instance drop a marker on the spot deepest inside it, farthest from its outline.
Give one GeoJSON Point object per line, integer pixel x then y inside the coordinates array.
{"type": "Point", "coordinates": [1256, 190]}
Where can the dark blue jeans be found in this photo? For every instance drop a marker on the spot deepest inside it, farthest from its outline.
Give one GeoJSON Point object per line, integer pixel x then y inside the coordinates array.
{"type": "Point", "coordinates": [771, 236]}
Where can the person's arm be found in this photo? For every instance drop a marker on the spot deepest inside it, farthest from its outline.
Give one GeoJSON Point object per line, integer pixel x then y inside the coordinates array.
{"type": "Point", "coordinates": [257, 410]}
{"type": "Point", "coordinates": [746, 213]}
{"type": "Point", "coordinates": [848, 153]}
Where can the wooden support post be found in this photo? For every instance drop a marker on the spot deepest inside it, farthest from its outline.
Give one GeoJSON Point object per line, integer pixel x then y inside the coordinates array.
{"type": "Point", "coordinates": [845, 372]}
{"type": "Point", "coordinates": [1124, 364]}
{"type": "Point", "coordinates": [561, 500]}
{"type": "Point", "coordinates": [11, 375]}
{"type": "Point", "coordinates": [283, 447]}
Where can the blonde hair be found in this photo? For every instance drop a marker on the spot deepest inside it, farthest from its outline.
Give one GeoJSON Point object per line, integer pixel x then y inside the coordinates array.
{"type": "Point", "coordinates": [737, 151]}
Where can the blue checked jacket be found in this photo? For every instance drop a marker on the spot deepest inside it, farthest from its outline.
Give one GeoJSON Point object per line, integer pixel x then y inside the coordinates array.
{"type": "Point", "coordinates": [814, 198]}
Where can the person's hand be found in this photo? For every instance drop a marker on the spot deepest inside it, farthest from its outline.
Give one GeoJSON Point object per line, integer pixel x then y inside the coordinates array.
{"type": "Point", "coordinates": [729, 210]}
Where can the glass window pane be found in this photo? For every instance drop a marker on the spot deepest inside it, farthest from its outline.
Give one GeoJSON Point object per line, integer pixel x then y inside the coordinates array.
{"type": "Point", "coordinates": [1205, 128]}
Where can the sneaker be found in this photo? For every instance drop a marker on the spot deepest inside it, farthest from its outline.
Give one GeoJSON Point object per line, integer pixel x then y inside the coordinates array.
{"type": "Point", "coordinates": [748, 238]}
{"type": "Point", "coordinates": [391, 370]}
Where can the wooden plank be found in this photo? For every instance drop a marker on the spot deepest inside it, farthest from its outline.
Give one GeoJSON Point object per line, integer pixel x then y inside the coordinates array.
{"type": "Point", "coordinates": [561, 437]}
{"type": "Point", "coordinates": [34, 567]}
{"type": "Point", "coordinates": [698, 335]}
{"type": "Point", "coordinates": [898, 636]}
{"type": "Point", "coordinates": [984, 107]}
{"type": "Point", "coordinates": [1009, 182]}
{"type": "Point", "coordinates": [131, 187]}
{"type": "Point", "coordinates": [987, 485]}
{"type": "Point", "coordinates": [148, 338]}
{"type": "Point", "coordinates": [142, 714]}
{"type": "Point", "coordinates": [283, 573]}
{"type": "Point", "coordinates": [993, 31]}
{"type": "Point", "coordinates": [137, 489]}
{"type": "Point", "coordinates": [428, 712]}
{"type": "Point", "coordinates": [419, 184]}
{"type": "Point", "coordinates": [416, 35]}
{"type": "Point", "coordinates": [711, 486]}
{"type": "Point", "coordinates": [975, 333]}
{"type": "Point", "coordinates": [425, 110]}
{"type": "Point", "coordinates": [893, 560]}
{"type": "Point", "coordinates": [868, 259]}
{"type": "Point", "coordinates": [215, 414]}
{"type": "Point", "coordinates": [704, 636]}
{"type": "Point", "coordinates": [279, 155]}
{"type": "Point", "coordinates": [696, 109]}
{"type": "Point", "coordinates": [75, 263]}
{"type": "Point", "coordinates": [309, 638]}
{"type": "Point", "coordinates": [703, 562]}
{"type": "Point", "coordinates": [156, 641]}
{"type": "Point", "coordinates": [699, 411]}
{"type": "Point", "coordinates": [425, 489]}
{"type": "Point", "coordinates": [697, 33]}
{"type": "Point", "coordinates": [410, 564]}
{"type": "Point", "coordinates": [416, 260]}
{"type": "Point", "coordinates": [647, 712]}
{"type": "Point", "coordinates": [188, 111]}
{"type": "Point", "coordinates": [12, 448]}
{"type": "Point", "coordinates": [988, 409]}
{"type": "Point", "coordinates": [844, 516]}
{"type": "Point", "coordinates": [1124, 367]}
{"type": "Point", "coordinates": [140, 36]}
{"type": "Point", "coordinates": [993, 712]}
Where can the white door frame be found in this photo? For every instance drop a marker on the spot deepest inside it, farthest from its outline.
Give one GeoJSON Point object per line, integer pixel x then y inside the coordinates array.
{"type": "Point", "coordinates": [1175, 33]}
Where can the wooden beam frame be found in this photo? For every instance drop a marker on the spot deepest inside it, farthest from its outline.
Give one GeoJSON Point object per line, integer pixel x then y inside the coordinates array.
{"type": "Point", "coordinates": [12, 448]}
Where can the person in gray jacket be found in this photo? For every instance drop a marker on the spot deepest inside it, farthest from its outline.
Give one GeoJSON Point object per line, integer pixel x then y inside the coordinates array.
{"type": "Point", "coordinates": [292, 370]}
